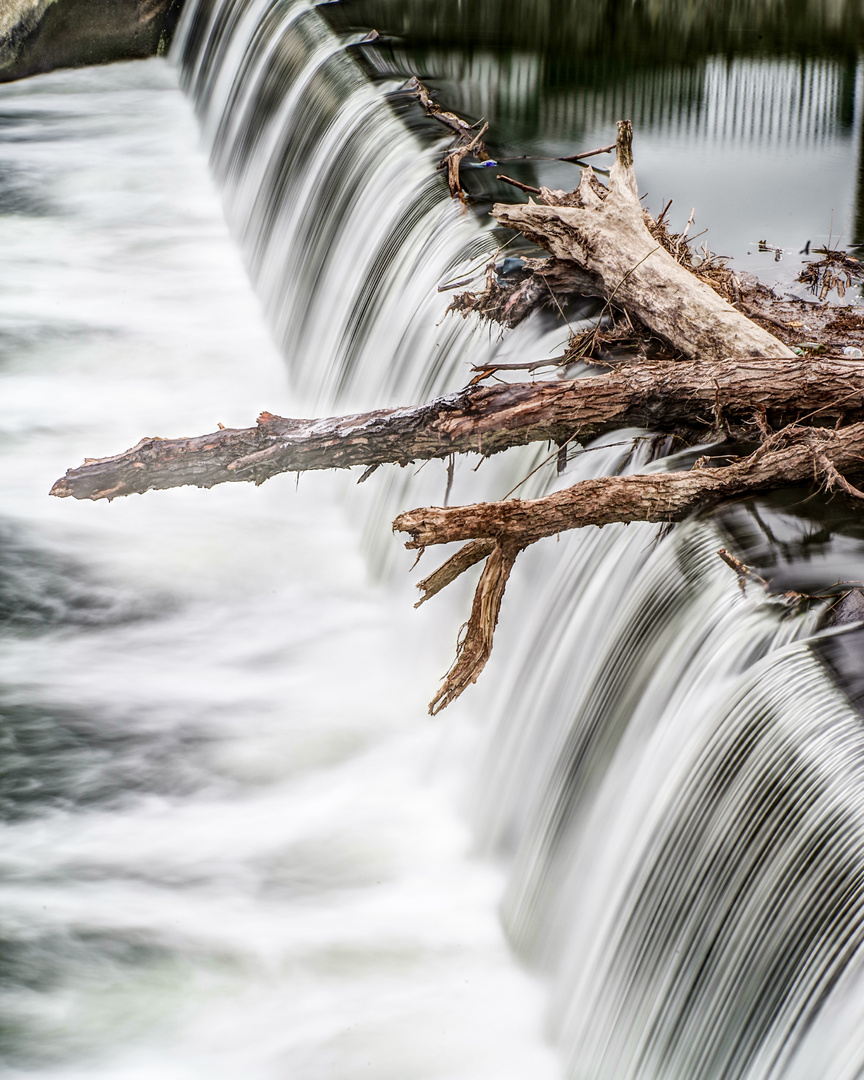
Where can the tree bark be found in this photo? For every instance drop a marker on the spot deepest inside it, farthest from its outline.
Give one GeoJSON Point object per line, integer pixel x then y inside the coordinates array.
{"type": "Point", "coordinates": [502, 529]}
{"type": "Point", "coordinates": [692, 399]}
{"type": "Point", "coordinates": [794, 455]}
{"type": "Point", "coordinates": [604, 233]}
{"type": "Point", "coordinates": [735, 380]}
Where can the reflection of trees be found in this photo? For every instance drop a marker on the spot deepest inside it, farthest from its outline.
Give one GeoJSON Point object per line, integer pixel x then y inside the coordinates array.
{"type": "Point", "coordinates": [777, 102]}
{"type": "Point", "coordinates": [634, 31]}
{"type": "Point", "coordinates": [858, 234]}
{"type": "Point", "coordinates": [779, 72]}
{"type": "Point", "coordinates": [800, 102]}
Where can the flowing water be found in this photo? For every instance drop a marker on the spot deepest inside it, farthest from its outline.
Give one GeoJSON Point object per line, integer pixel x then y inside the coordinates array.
{"type": "Point", "coordinates": [232, 842]}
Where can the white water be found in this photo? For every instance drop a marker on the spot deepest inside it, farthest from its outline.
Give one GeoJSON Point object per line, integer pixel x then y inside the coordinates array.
{"type": "Point", "coordinates": [230, 843]}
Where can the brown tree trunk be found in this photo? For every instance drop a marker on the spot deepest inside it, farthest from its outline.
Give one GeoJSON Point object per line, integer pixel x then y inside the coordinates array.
{"type": "Point", "coordinates": [794, 455]}
{"type": "Point", "coordinates": [736, 379]}
{"type": "Point", "coordinates": [500, 530]}
{"type": "Point", "coordinates": [692, 399]}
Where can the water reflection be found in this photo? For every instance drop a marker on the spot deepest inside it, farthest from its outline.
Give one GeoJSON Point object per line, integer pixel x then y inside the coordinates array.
{"type": "Point", "coordinates": [671, 31]}
{"type": "Point", "coordinates": [752, 111]}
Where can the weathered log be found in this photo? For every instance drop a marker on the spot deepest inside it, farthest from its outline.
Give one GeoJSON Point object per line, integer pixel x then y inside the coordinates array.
{"type": "Point", "coordinates": [604, 232]}
{"type": "Point", "coordinates": [691, 399]}
{"type": "Point", "coordinates": [737, 380]}
{"type": "Point", "coordinates": [794, 455]}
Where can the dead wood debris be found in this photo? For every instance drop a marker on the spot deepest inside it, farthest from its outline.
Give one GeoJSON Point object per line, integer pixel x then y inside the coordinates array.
{"type": "Point", "coordinates": [744, 573]}
{"type": "Point", "coordinates": [738, 363]}
{"type": "Point", "coordinates": [741, 398]}
{"type": "Point", "coordinates": [835, 270]}
{"type": "Point", "coordinates": [841, 604]}
{"type": "Point", "coordinates": [466, 139]}
{"type": "Point", "coordinates": [510, 296]}
{"type": "Point", "coordinates": [797, 454]}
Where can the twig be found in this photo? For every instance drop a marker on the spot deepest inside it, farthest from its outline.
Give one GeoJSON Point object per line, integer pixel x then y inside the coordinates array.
{"type": "Point", "coordinates": [518, 184]}
{"type": "Point", "coordinates": [834, 478]}
{"type": "Point", "coordinates": [555, 298]}
{"type": "Point", "coordinates": [451, 466]}
{"type": "Point", "coordinates": [683, 236]}
{"type": "Point", "coordinates": [744, 573]}
{"type": "Point", "coordinates": [530, 365]}
{"type": "Point", "coordinates": [545, 461]}
{"type": "Point", "coordinates": [591, 153]}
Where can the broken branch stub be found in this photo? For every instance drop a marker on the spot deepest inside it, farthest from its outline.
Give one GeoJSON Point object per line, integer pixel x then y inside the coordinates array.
{"type": "Point", "coordinates": [604, 232]}
{"type": "Point", "coordinates": [475, 647]}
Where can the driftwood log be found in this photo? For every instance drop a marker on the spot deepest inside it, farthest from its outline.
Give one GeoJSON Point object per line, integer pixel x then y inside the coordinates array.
{"type": "Point", "coordinates": [603, 231]}
{"type": "Point", "coordinates": [738, 398]}
{"type": "Point", "coordinates": [723, 376]}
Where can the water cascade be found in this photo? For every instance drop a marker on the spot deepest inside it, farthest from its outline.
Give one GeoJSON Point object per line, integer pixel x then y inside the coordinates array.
{"type": "Point", "coordinates": [668, 792]}
{"type": "Point", "coordinates": [666, 775]}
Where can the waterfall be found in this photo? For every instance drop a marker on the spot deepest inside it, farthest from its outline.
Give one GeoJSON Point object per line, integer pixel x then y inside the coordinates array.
{"type": "Point", "coordinates": [337, 209]}
{"type": "Point", "coordinates": [662, 781]}
{"type": "Point", "coordinates": [671, 778]}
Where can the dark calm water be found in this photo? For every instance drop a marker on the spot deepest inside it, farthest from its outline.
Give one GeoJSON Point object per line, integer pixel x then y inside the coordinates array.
{"type": "Point", "coordinates": [750, 111]}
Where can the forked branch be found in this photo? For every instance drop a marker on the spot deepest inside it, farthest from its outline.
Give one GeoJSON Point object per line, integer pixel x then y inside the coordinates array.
{"type": "Point", "coordinates": [795, 455]}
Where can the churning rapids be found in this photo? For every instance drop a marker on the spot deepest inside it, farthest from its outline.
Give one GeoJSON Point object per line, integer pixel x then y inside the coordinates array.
{"type": "Point", "coordinates": [233, 845]}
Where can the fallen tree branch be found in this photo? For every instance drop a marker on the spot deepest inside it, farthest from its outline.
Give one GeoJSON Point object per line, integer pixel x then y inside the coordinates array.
{"type": "Point", "coordinates": [518, 184]}
{"type": "Point", "coordinates": [793, 456]}
{"type": "Point", "coordinates": [686, 398]}
{"type": "Point", "coordinates": [736, 380]}
{"type": "Point", "coordinates": [604, 232]}
{"type": "Point", "coordinates": [589, 153]}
